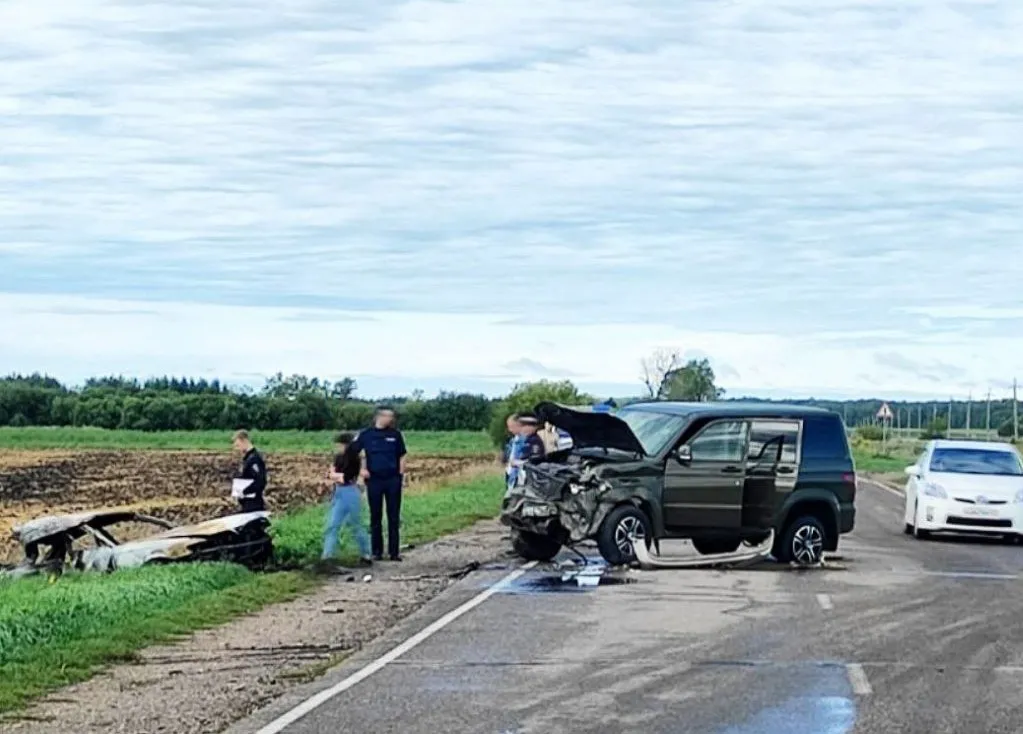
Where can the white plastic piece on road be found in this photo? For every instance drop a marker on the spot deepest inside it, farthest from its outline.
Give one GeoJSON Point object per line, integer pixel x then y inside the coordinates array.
{"type": "Point", "coordinates": [648, 561]}
{"type": "Point", "coordinates": [824, 601]}
{"type": "Point", "coordinates": [311, 704]}
{"type": "Point", "coordinates": [858, 679]}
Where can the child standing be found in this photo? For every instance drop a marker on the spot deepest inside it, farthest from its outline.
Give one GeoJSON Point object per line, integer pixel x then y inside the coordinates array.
{"type": "Point", "coordinates": [346, 503]}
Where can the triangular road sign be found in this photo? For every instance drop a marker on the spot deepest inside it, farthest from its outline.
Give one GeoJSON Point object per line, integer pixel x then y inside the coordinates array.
{"type": "Point", "coordinates": [885, 413]}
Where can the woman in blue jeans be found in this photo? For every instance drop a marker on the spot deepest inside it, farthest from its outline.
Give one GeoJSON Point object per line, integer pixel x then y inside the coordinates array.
{"type": "Point", "coordinates": [346, 502]}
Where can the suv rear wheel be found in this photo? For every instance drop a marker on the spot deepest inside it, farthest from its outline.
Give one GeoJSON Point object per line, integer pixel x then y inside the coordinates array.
{"type": "Point", "coordinates": [802, 542]}
{"type": "Point", "coordinates": [614, 536]}
{"type": "Point", "coordinates": [534, 547]}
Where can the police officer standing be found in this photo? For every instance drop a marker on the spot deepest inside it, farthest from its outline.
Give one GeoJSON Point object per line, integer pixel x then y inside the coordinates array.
{"type": "Point", "coordinates": [384, 472]}
{"type": "Point", "coordinates": [250, 480]}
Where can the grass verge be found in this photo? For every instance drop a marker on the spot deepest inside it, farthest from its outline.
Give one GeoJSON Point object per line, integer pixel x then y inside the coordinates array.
{"type": "Point", "coordinates": [39, 437]}
{"type": "Point", "coordinates": [56, 634]}
{"type": "Point", "coordinates": [426, 515]}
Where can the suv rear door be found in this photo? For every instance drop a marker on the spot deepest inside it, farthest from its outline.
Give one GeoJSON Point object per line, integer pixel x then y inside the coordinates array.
{"type": "Point", "coordinates": [771, 470]}
{"type": "Point", "coordinates": [706, 491]}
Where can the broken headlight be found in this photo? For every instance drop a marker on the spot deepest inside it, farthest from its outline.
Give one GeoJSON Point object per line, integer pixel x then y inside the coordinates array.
{"type": "Point", "coordinates": [538, 511]}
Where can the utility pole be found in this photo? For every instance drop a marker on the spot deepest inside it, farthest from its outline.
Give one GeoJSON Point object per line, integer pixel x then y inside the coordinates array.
{"type": "Point", "coordinates": [920, 417]}
{"type": "Point", "coordinates": [987, 424]}
{"type": "Point", "coordinates": [948, 423]}
{"type": "Point", "coordinates": [969, 404]}
{"type": "Point", "coordinates": [934, 413]}
{"type": "Point", "coordinates": [1015, 412]}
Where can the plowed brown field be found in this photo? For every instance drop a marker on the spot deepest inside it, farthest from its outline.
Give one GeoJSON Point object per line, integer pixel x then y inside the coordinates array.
{"type": "Point", "coordinates": [178, 486]}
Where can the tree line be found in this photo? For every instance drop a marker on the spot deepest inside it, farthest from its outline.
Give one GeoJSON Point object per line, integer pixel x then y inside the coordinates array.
{"type": "Point", "coordinates": [298, 402]}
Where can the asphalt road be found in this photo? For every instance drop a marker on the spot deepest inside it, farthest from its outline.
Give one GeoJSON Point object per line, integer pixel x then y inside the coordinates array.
{"type": "Point", "coordinates": [901, 635]}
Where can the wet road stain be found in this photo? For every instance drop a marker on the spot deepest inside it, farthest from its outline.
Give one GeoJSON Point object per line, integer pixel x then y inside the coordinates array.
{"type": "Point", "coordinates": [820, 715]}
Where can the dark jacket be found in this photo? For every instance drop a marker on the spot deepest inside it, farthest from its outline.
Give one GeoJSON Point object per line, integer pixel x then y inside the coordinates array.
{"type": "Point", "coordinates": [384, 448]}
{"type": "Point", "coordinates": [253, 468]}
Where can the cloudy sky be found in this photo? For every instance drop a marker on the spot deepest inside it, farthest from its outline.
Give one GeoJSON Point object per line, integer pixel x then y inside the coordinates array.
{"type": "Point", "coordinates": [822, 196]}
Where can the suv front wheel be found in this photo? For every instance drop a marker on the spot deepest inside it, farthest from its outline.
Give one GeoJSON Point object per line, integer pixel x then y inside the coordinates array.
{"type": "Point", "coordinates": [802, 542]}
{"type": "Point", "coordinates": [617, 530]}
{"type": "Point", "coordinates": [534, 547]}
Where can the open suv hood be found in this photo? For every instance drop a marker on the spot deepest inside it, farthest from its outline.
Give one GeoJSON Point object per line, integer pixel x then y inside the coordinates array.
{"type": "Point", "coordinates": [599, 430]}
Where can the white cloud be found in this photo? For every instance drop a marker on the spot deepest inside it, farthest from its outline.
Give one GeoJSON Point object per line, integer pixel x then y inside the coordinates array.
{"type": "Point", "coordinates": [777, 170]}
{"type": "Point", "coordinates": [74, 337]}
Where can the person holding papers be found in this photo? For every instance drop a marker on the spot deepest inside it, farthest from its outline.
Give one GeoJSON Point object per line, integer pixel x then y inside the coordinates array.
{"type": "Point", "coordinates": [250, 480]}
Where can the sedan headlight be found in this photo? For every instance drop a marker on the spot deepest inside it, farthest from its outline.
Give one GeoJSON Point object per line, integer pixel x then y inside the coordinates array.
{"type": "Point", "coordinates": [934, 490]}
{"type": "Point", "coordinates": [1018, 499]}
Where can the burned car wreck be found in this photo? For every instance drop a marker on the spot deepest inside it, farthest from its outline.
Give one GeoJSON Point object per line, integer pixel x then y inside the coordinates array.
{"type": "Point", "coordinates": [717, 474]}
{"type": "Point", "coordinates": [49, 543]}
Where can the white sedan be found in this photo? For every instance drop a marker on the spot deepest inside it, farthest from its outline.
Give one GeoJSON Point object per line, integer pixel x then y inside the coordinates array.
{"type": "Point", "coordinates": [965, 487]}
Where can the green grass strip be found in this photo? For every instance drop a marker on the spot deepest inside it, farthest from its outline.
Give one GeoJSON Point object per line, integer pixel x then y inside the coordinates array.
{"type": "Point", "coordinates": [454, 443]}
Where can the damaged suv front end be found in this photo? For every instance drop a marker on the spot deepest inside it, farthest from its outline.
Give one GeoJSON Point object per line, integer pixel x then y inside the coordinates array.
{"type": "Point", "coordinates": [566, 498]}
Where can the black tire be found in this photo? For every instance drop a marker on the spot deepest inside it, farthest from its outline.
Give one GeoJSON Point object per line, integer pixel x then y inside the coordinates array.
{"type": "Point", "coordinates": [908, 530]}
{"type": "Point", "coordinates": [617, 526]}
{"type": "Point", "coordinates": [802, 542]}
{"type": "Point", "coordinates": [713, 546]}
{"type": "Point", "coordinates": [533, 547]}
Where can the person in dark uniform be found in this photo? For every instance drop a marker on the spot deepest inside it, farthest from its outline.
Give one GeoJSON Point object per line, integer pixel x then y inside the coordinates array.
{"type": "Point", "coordinates": [384, 471]}
{"type": "Point", "coordinates": [250, 480]}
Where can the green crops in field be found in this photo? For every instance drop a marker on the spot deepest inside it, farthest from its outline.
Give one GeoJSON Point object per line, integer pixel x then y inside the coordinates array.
{"type": "Point", "coordinates": [419, 442]}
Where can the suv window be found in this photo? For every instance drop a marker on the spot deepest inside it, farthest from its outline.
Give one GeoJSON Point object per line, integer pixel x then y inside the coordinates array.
{"type": "Point", "coordinates": [824, 438]}
{"type": "Point", "coordinates": [720, 441]}
{"type": "Point", "coordinates": [764, 430]}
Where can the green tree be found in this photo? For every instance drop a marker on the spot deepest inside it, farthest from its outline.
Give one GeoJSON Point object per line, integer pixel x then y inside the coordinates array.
{"type": "Point", "coordinates": [694, 381]}
{"type": "Point", "coordinates": [526, 396]}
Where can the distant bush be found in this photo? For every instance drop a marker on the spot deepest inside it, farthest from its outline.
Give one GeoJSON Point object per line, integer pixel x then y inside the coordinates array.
{"type": "Point", "coordinates": [870, 432]}
{"type": "Point", "coordinates": [935, 429]}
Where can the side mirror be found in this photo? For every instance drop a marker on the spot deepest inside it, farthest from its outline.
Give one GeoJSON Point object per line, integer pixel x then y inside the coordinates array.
{"type": "Point", "coordinates": [684, 455]}
{"type": "Point", "coordinates": [912, 471]}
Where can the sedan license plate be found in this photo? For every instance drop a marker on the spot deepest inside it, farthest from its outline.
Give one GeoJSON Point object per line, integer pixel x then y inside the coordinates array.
{"type": "Point", "coordinates": [981, 511]}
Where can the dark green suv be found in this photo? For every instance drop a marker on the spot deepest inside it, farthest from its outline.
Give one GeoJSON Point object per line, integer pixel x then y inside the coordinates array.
{"type": "Point", "coordinates": [661, 470]}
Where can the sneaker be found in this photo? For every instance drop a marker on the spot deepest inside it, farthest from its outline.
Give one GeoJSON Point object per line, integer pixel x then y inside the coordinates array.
{"type": "Point", "coordinates": [396, 559]}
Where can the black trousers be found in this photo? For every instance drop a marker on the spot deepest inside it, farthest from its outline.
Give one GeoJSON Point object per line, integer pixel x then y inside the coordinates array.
{"type": "Point", "coordinates": [253, 504]}
{"type": "Point", "coordinates": [381, 491]}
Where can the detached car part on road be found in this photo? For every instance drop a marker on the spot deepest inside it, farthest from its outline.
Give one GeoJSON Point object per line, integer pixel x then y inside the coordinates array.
{"type": "Point", "coordinates": [720, 474]}
{"type": "Point", "coordinates": [49, 542]}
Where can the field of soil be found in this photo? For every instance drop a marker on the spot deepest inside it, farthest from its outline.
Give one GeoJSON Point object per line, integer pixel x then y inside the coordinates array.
{"type": "Point", "coordinates": [178, 486]}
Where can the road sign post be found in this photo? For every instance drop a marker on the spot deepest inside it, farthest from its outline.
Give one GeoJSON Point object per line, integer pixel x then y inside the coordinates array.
{"type": "Point", "coordinates": [885, 415]}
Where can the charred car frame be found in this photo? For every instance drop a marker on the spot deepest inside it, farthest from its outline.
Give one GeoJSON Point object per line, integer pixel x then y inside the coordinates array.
{"type": "Point", "coordinates": [49, 542]}
{"type": "Point", "coordinates": [719, 474]}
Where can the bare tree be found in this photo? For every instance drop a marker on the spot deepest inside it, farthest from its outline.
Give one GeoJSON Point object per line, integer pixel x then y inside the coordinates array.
{"type": "Point", "coordinates": [657, 367]}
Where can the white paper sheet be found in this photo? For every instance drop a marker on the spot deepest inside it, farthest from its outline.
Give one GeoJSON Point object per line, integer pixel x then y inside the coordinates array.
{"type": "Point", "coordinates": [238, 487]}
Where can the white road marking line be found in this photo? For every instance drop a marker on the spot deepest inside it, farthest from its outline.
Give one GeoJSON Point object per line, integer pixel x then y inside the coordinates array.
{"type": "Point", "coordinates": [287, 719]}
{"type": "Point", "coordinates": [825, 602]}
{"type": "Point", "coordinates": [972, 575]}
{"type": "Point", "coordinates": [858, 679]}
{"type": "Point", "coordinates": [886, 488]}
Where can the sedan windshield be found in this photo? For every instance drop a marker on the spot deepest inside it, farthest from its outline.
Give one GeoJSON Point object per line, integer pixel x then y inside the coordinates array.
{"type": "Point", "coordinates": [654, 430]}
{"type": "Point", "coordinates": [976, 461]}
